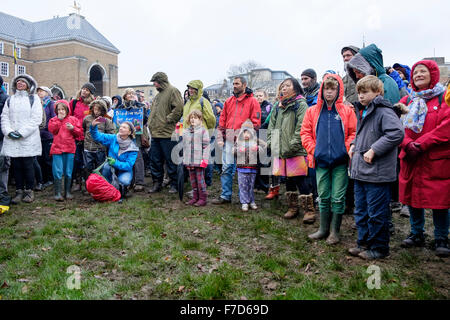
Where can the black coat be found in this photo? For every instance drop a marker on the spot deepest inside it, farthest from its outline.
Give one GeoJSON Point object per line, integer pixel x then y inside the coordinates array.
{"type": "Point", "coordinates": [3, 98]}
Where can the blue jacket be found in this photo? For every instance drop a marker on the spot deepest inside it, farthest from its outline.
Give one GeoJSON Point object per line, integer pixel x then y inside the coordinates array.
{"type": "Point", "coordinates": [49, 109]}
{"type": "Point", "coordinates": [126, 160]}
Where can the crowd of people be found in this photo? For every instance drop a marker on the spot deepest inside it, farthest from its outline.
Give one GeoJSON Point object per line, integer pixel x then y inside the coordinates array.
{"type": "Point", "coordinates": [373, 143]}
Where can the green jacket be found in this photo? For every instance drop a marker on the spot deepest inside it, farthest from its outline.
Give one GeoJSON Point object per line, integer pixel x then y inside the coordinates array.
{"type": "Point", "coordinates": [209, 120]}
{"type": "Point", "coordinates": [374, 57]}
{"type": "Point", "coordinates": [167, 108]}
{"type": "Point", "coordinates": [284, 129]}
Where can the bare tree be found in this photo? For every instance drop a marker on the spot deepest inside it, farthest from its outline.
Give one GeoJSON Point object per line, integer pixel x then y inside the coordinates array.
{"type": "Point", "coordinates": [246, 69]}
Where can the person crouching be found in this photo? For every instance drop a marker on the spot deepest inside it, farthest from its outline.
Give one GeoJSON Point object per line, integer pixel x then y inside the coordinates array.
{"type": "Point", "coordinates": [65, 129]}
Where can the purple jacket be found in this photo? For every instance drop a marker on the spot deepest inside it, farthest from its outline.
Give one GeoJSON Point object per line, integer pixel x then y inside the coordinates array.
{"type": "Point", "coordinates": [49, 108]}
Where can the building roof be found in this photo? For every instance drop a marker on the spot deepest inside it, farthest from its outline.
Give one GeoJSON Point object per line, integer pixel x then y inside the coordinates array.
{"type": "Point", "coordinates": [51, 31]}
{"type": "Point", "coordinates": [215, 87]}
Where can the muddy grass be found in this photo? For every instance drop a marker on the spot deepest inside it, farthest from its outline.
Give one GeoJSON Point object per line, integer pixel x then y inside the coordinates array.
{"type": "Point", "coordinates": [154, 247]}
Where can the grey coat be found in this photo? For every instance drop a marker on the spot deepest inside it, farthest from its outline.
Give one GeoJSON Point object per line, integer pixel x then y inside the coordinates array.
{"type": "Point", "coordinates": [382, 131]}
{"type": "Point", "coordinates": [350, 90]}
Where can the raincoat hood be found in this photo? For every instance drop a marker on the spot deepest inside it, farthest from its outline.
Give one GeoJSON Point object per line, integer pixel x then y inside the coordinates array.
{"type": "Point", "coordinates": [65, 104]}
{"type": "Point", "coordinates": [196, 84]}
{"type": "Point", "coordinates": [407, 69]}
{"type": "Point", "coordinates": [100, 103]}
{"type": "Point", "coordinates": [30, 79]}
{"type": "Point", "coordinates": [340, 97]}
{"type": "Point", "coordinates": [435, 73]}
{"type": "Point", "coordinates": [119, 98]}
{"type": "Point", "coordinates": [360, 63]}
{"type": "Point", "coordinates": [161, 78]}
{"type": "Point", "coordinates": [374, 57]}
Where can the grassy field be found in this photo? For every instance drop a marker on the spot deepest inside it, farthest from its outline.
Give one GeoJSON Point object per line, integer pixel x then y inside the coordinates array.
{"type": "Point", "coordinates": [154, 247]}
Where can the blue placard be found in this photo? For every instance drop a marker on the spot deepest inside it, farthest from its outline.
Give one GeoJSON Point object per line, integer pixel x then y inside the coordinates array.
{"type": "Point", "coordinates": [135, 116]}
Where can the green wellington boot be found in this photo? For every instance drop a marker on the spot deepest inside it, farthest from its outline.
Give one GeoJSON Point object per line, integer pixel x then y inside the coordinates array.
{"type": "Point", "coordinates": [324, 229]}
{"type": "Point", "coordinates": [335, 229]}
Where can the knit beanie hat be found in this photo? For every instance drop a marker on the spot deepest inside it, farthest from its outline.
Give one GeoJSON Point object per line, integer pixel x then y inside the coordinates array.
{"type": "Point", "coordinates": [90, 87]}
{"type": "Point", "coordinates": [310, 73]}
{"type": "Point", "coordinates": [24, 80]}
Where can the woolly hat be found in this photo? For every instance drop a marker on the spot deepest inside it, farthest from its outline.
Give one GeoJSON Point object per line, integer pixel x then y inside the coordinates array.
{"type": "Point", "coordinates": [24, 80]}
{"type": "Point", "coordinates": [310, 73]}
{"type": "Point", "coordinates": [46, 89]}
{"type": "Point", "coordinates": [108, 101]}
{"type": "Point", "coordinates": [90, 87]}
{"type": "Point", "coordinates": [132, 128]}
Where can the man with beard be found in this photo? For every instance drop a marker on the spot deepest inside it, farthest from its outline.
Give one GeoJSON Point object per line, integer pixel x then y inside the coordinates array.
{"type": "Point", "coordinates": [310, 86]}
{"type": "Point", "coordinates": [350, 94]}
{"type": "Point", "coordinates": [167, 110]}
{"type": "Point", "coordinates": [237, 109]}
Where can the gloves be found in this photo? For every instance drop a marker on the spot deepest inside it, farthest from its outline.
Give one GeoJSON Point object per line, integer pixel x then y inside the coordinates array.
{"type": "Point", "coordinates": [413, 150]}
{"type": "Point", "coordinates": [111, 161]}
{"type": "Point", "coordinates": [204, 164]}
{"type": "Point", "coordinates": [15, 135]}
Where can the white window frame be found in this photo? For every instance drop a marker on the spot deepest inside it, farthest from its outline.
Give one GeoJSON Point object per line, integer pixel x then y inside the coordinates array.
{"type": "Point", "coordinates": [2, 47]}
{"type": "Point", "coordinates": [6, 86]}
{"type": "Point", "coordinates": [24, 70]}
{"type": "Point", "coordinates": [19, 53]}
{"type": "Point", "coordinates": [7, 69]}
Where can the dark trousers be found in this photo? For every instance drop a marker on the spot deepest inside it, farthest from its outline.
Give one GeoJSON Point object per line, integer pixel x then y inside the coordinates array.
{"type": "Point", "coordinates": [78, 164]}
{"type": "Point", "coordinates": [160, 152]}
{"type": "Point", "coordinates": [23, 172]}
{"type": "Point", "coordinates": [45, 161]}
{"type": "Point", "coordinates": [93, 160]}
{"type": "Point", "coordinates": [372, 214]}
{"type": "Point", "coordinates": [37, 171]}
{"type": "Point", "coordinates": [311, 182]}
{"type": "Point", "coordinates": [299, 184]}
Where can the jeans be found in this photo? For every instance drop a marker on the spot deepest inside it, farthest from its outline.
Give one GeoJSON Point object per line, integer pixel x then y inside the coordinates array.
{"type": "Point", "coordinates": [23, 172]}
{"type": "Point", "coordinates": [228, 171]}
{"type": "Point", "coordinates": [45, 161]}
{"type": "Point", "coordinates": [93, 160]}
{"type": "Point", "coordinates": [125, 177]}
{"type": "Point", "coordinates": [441, 221]}
{"type": "Point", "coordinates": [372, 215]}
{"type": "Point", "coordinates": [63, 165]}
{"type": "Point", "coordinates": [160, 152]}
{"type": "Point", "coordinates": [332, 186]}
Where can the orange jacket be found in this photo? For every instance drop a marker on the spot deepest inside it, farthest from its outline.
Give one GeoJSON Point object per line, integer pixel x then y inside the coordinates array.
{"type": "Point", "coordinates": [309, 126]}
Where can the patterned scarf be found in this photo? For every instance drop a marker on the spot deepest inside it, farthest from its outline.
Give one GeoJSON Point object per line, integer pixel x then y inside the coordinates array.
{"type": "Point", "coordinates": [418, 109]}
{"type": "Point", "coordinates": [287, 100]}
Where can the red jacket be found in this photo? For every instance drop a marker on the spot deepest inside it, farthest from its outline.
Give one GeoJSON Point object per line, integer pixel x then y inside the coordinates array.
{"type": "Point", "coordinates": [425, 181]}
{"type": "Point", "coordinates": [309, 126]}
{"type": "Point", "coordinates": [236, 111]}
{"type": "Point", "coordinates": [63, 138]}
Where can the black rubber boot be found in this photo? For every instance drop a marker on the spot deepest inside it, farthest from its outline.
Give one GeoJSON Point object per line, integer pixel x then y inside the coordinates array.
{"type": "Point", "coordinates": [335, 229]}
{"type": "Point", "coordinates": [67, 193]}
{"type": "Point", "coordinates": [57, 187]}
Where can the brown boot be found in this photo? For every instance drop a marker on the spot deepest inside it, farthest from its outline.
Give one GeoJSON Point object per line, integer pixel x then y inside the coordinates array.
{"type": "Point", "coordinates": [292, 199]}
{"type": "Point", "coordinates": [309, 210]}
{"type": "Point", "coordinates": [274, 192]}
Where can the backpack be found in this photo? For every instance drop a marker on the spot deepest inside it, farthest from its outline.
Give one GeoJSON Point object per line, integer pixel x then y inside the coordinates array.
{"type": "Point", "coordinates": [44, 116]}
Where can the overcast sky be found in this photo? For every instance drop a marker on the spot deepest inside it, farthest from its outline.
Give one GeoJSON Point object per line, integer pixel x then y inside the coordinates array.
{"type": "Point", "coordinates": [200, 39]}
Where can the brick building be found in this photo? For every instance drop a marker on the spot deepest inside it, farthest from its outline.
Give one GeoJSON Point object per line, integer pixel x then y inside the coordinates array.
{"type": "Point", "coordinates": [60, 53]}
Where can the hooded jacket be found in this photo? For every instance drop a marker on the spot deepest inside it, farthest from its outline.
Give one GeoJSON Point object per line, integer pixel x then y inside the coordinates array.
{"type": "Point", "coordinates": [167, 109]}
{"type": "Point", "coordinates": [308, 132]}
{"type": "Point", "coordinates": [63, 138]}
{"type": "Point", "coordinates": [18, 115]}
{"type": "Point", "coordinates": [284, 129]}
{"type": "Point", "coordinates": [425, 181]}
{"type": "Point", "coordinates": [235, 112]}
{"type": "Point", "coordinates": [193, 103]}
{"type": "Point", "coordinates": [381, 131]}
{"type": "Point", "coordinates": [126, 160]}
{"type": "Point", "coordinates": [372, 56]}
{"type": "Point", "coordinates": [106, 127]}
{"type": "Point", "coordinates": [196, 146]}
{"type": "Point", "coordinates": [246, 152]}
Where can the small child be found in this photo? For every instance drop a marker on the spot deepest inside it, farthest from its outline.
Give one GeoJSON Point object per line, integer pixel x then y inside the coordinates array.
{"type": "Point", "coordinates": [373, 157]}
{"type": "Point", "coordinates": [65, 130]}
{"type": "Point", "coordinates": [95, 153]}
{"type": "Point", "coordinates": [195, 156]}
{"type": "Point", "coordinates": [246, 150]}
{"type": "Point", "coordinates": [327, 132]}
